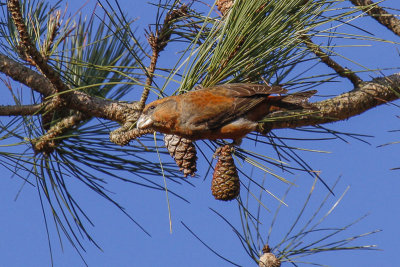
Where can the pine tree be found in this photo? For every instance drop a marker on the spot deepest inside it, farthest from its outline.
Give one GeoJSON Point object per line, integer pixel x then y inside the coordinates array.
{"type": "Point", "coordinates": [72, 118]}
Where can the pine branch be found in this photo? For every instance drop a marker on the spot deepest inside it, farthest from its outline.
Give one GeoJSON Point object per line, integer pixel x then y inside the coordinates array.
{"type": "Point", "coordinates": [22, 74]}
{"type": "Point", "coordinates": [87, 104]}
{"type": "Point", "coordinates": [123, 135]}
{"type": "Point", "coordinates": [343, 72]}
{"type": "Point", "coordinates": [76, 100]}
{"type": "Point", "coordinates": [158, 41]}
{"type": "Point", "coordinates": [21, 110]}
{"type": "Point", "coordinates": [369, 95]}
{"type": "Point", "coordinates": [379, 14]}
{"type": "Point", "coordinates": [48, 142]}
{"type": "Point", "coordinates": [30, 50]}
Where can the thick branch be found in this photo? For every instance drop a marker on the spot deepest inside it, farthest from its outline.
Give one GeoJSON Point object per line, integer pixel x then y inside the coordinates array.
{"type": "Point", "coordinates": [90, 105]}
{"type": "Point", "coordinates": [102, 108]}
{"type": "Point", "coordinates": [22, 74]}
{"type": "Point", "coordinates": [383, 17]}
{"type": "Point", "coordinates": [369, 95]}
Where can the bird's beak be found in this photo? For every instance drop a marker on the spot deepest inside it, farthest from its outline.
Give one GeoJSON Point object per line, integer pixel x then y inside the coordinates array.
{"type": "Point", "coordinates": [144, 122]}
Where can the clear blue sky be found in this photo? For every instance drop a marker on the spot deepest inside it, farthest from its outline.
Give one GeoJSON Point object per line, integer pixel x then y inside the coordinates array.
{"type": "Point", "coordinates": [365, 168]}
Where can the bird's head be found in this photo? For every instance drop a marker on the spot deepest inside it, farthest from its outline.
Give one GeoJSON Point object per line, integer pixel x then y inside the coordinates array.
{"type": "Point", "coordinates": [159, 115]}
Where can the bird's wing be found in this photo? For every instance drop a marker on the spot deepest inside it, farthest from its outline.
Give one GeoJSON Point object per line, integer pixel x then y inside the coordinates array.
{"type": "Point", "coordinates": [247, 89]}
{"type": "Point", "coordinates": [246, 97]}
{"type": "Point", "coordinates": [222, 104]}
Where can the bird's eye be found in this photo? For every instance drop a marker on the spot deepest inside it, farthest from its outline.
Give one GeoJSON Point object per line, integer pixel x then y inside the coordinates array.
{"type": "Point", "coordinates": [152, 107]}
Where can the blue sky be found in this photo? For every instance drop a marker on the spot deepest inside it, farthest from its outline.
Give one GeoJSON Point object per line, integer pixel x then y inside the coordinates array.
{"type": "Point", "coordinates": [365, 168]}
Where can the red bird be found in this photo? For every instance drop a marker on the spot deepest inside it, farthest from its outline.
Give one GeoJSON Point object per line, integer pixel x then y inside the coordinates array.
{"type": "Point", "coordinates": [228, 111]}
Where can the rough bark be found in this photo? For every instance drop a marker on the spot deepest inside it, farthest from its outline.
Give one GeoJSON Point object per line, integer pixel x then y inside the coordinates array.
{"type": "Point", "coordinates": [369, 95]}
{"type": "Point", "coordinates": [379, 14]}
{"type": "Point", "coordinates": [76, 100]}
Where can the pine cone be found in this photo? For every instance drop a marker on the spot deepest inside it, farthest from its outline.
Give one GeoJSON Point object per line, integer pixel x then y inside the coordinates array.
{"type": "Point", "coordinates": [268, 259]}
{"type": "Point", "coordinates": [225, 184]}
{"type": "Point", "coordinates": [183, 151]}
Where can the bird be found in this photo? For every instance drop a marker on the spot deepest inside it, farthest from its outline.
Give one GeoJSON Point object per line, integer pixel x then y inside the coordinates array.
{"type": "Point", "coordinates": [225, 111]}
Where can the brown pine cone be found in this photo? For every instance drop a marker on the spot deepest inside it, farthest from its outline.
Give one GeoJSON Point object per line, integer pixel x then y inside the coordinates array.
{"type": "Point", "coordinates": [225, 184]}
{"type": "Point", "coordinates": [184, 153]}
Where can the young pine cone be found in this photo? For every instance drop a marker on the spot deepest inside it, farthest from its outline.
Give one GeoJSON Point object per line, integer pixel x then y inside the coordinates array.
{"type": "Point", "coordinates": [225, 184]}
{"type": "Point", "coordinates": [268, 259]}
{"type": "Point", "coordinates": [184, 153]}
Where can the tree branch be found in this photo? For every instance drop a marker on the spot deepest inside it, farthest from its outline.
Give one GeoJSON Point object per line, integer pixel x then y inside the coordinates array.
{"type": "Point", "coordinates": [382, 16]}
{"type": "Point", "coordinates": [369, 95]}
{"type": "Point", "coordinates": [355, 102]}
{"type": "Point", "coordinates": [158, 41]}
{"type": "Point", "coordinates": [89, 105]}
{"type": "Point", "coordinates": [22, 110]}
{"type": "Point", "coordinates": [30, 49]}
{"type": "Point", "coordinates": [123, 135]}
{"type": "Point", "coordinates": [343, 72]}
{"type": "Point", "coordinates": [22, 74]}
{"type": "Point", "coordinates": [49, 141]}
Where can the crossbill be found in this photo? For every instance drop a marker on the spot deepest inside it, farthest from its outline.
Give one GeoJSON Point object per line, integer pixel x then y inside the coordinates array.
{"type": "Point", "coordinates": [228, 111]}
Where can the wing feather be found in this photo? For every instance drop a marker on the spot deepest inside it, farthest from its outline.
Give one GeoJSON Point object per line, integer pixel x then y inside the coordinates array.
{"type": "Point", "coordinates": [228, 102]}
{"type": "Point", "coordinates": [247, 89]}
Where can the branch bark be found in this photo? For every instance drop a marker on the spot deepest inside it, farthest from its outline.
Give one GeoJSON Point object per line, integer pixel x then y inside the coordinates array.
{"type": "Point", "coordinates": [369, 95]}
{"type": "Point", "coordinates": [49, 141]}
{"type": "Point", "coordinates": [30, 50]}
{"type": "Point", "coordinates": [21, 110]}
{"type": "Point", "coordinates": [24, 75]}
{"type": "Point", "coordinates": [379, 14]}
{"type": "Point", "coordinates": [80, 101]}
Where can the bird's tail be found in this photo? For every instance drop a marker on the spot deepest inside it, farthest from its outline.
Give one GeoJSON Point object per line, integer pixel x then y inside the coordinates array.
{"type": "Point", "coordinates": [297, 100]}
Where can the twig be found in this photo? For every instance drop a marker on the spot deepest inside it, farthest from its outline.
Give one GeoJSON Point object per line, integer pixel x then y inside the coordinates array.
{"type": "Point", "coordinates": [22, 110]}
{"type": "Point", "coordinates": [49, 141]}
{"type": "Point", "coordinates": [30, 49]}
{"type": "Point", "coordinates": [123, 136]}
{"type": "Point", "coordinates": [53, 26]}
{"type": "Point", "coordinates": [382, 16]}
{"type": "Point", "coordinates": [158, 41]}
{"type": "Point", "coordinates": [343, 72]}
{"type": "Point", "coordinates": [149, 80]}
